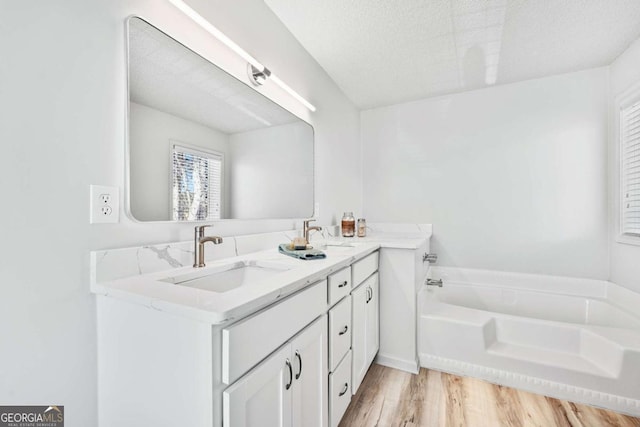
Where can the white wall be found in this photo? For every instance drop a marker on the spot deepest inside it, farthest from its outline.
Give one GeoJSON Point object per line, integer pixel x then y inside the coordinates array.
{"type": "Point", "coordinates": [625, 258]}
{"type": "Point", "coordinates": [62, 115]}
{"type": "Point", "coordinates": [270, 176]}
{"type": "Point", "coordinates": [513, 177]}
{"type": "Point", "coordinates": [153, 134]}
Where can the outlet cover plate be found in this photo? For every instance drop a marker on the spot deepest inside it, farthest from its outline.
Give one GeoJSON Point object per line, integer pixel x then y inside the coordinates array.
{"type": "Point", "coordinates": [104, 204]}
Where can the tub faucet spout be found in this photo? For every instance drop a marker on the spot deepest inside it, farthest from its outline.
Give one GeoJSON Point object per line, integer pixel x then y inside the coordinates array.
{"type": "Point", "coordinates": [433, 282]}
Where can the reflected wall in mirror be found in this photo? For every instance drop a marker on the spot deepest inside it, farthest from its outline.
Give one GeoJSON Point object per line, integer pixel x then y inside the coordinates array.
{"type": "Point", "coordinates": [205, 146]}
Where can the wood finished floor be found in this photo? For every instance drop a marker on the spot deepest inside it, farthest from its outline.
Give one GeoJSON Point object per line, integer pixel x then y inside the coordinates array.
{"type": "Point", "coordinates": [388, 397]}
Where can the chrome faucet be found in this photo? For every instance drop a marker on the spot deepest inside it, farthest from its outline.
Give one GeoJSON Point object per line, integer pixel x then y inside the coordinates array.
{"type": "Point", "coordinates": [306, 229]}
{"type": "Point", "coordinates": [433, 282]}
{"type": "Point", "coordinates": [199, 240]}
{"type": "Point", "coordinates": [431, 258]}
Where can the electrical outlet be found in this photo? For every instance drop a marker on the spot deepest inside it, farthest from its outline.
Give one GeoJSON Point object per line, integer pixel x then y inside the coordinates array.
{"type": "Point", "coordinates": [104, 204]}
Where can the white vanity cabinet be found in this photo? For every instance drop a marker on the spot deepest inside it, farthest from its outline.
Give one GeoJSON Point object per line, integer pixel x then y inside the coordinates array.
{"type": "Point", "coordinates": [288, 363]}
{"type": "Point", "coordinates": [289, 388]}
{"type": "Point", "coordinates": [353, 330]}
{"type": "Point", "coordinates": [339, 378]}
{"type": "Point", "coordinates": [402, 273]}
{"type": "Point", "coordinates": [365, 328]}
{"type": "Point", "coordinates": [364, 317]}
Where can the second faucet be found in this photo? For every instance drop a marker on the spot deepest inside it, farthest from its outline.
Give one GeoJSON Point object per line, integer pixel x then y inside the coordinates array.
{"type": "Point", "coordinates": [306, 229]}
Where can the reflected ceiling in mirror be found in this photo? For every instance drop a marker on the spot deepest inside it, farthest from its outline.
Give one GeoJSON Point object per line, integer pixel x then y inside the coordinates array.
{"type": "Point", "coordinates": [205, 146]}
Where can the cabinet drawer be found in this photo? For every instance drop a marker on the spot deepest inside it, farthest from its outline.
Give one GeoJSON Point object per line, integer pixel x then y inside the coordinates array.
{"type": "Point", "coordinates": [247, 342]}
{"type": "Point", "coordinates": [364, 268]}
{"type": "Point", "coordinates": [339, 332]}
{"type": "Point", "coordinates": [339, 284]}
{"type": "Point", "coordinates": [340, 390]}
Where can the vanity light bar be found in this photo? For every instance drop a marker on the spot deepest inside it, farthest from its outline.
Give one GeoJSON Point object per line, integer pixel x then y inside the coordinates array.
{"type": "Point", "coordinates": [292, 92]}
{"type": "Point", "coordinates": [198, 19]}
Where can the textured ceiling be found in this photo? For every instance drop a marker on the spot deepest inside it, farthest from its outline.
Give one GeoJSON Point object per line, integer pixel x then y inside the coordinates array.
{"type": "Point", "coordinates": [382, 52]}
{"type": "Point", "coordinates": [165, 75]}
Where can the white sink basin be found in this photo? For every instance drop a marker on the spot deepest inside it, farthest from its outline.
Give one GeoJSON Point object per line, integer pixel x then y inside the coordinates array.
{"type": "Point", "coordinates": [228, 277]}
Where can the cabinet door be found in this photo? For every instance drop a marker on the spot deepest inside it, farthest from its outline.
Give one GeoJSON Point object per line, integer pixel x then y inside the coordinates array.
{"type": "Point", "coordinates": [359, 335]}
{"type": "Point", "coordinates": [372, 320]}
{"type": "Point", "coordinates": [261, 398]}
{"type": "Point", "coordinates": [309, 358]}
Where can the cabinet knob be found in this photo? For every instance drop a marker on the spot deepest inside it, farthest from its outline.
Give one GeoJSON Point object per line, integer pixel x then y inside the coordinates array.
{"type": "Point", "coordinates": [288, 385]}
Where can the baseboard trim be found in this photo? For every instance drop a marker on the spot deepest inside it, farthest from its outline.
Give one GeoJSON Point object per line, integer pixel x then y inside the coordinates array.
{"type": "Point", "coordinates": [401, 364]}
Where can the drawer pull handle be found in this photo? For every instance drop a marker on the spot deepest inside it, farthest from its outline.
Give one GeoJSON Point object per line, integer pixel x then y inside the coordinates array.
{"type": "Point", "coordinates": [369, 295]}
{"type": "Point", "coordinates": [346, 387]}
{"type": "Point", "coordinates": [344, 331]}
{"type": "Point", "coordinates": [343, 284]}
{"type": "Point", "coordinates": [288, 385]}
{"type": "Point", "coordinates": [299, 364]}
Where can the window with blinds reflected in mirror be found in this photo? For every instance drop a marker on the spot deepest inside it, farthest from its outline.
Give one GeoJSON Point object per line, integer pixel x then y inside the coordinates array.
{"type": "Point", "coordinates": [196, 184]}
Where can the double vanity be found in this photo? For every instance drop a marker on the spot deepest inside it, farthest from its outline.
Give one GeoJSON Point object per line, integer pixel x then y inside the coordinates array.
{"type": "Point", "coordinates": [253, 339]}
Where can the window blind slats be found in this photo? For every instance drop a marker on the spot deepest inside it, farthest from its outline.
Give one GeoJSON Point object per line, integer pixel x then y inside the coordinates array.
{"type": "Point", "coordinates": [633, 109]}
{"type": "Point", "coordinates": [196, 184]}
{"type": "Point", "coordinates": [632, 120]}
{"type": "Point", "coordinates": [630, 169]}
{"type": "Point", "coordinates": [631, 177]}
{"type": "Point", "coordinates": [632, 160]}
{"type": "Point", "coordinates": [632, 149]}
{"type": "Point", "coordinates": [632, 129]}
{"type": "Point", "coordinates": [634, 169]}
{"type": "Point", "coordinates": [632, 140]}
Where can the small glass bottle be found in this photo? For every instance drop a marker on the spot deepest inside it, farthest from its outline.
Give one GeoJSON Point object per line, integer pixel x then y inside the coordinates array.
{"type": "Point", "coordinates": [362, 227]}
{"type": "Point", "coordinates": [348, 224]}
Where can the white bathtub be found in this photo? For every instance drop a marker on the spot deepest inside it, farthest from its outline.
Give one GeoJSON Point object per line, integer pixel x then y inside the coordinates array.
{"type": "Point", "coordinates": [569, 338]}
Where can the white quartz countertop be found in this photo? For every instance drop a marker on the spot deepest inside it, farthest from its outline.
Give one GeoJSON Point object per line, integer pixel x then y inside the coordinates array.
{"type": "Point", "coordinates": [218, 308]}
{"type": "Point", "coordinates": [388, 240]}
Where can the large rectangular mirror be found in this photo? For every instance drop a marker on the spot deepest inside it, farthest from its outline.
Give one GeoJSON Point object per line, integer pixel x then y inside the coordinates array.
{"type": "Point", "coordinates": [204, 146]}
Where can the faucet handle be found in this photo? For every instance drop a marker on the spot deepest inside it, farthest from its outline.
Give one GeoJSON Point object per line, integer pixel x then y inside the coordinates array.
{"type": "Point", "coordinates": [200, 229]}
{"type": "Point", "coordinates": [307, 221]}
